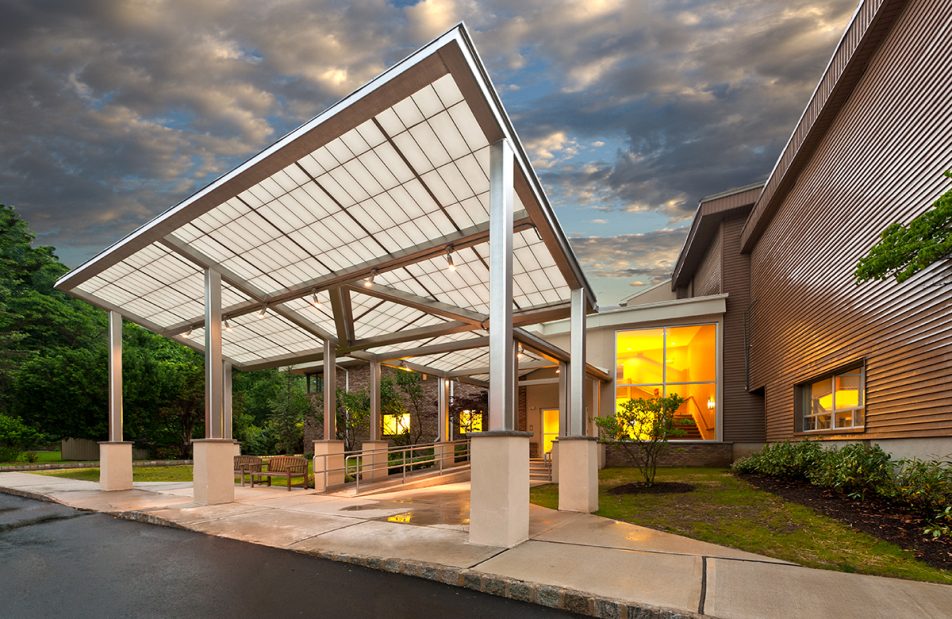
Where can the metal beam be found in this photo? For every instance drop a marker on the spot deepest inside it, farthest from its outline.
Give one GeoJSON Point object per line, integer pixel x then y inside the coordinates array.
{"type": "Point", "coordinates": [280, 361]}
{"type": "Point", "coordinates": [564, 369]}
{"type": "Point", "coordinates": [502, 415]}
{"type": "Point", "coordinates": [423, 304]}
{"type": "Point", "coordinates": [404, 365]}
{"type": "Point", "coordinates": [214, 413]}
{"type": "Point", "coordinates": [485, 369]}
{"type": "Point", "coordinates": [330, 392]}
{"type": "Point", "coordinates": [115, 377]}
{"type": "Point", "coordinates": [343, 313]}
{"type": "Point", "coordinates": [436, 349]}
{"type": "Point", "coordinates": [468, 237]}
{"type": "Point", "coordinates": [550, 350]}
{"type": "Point", "coordinates": [410, 335]}
{"type": "Point", "coordinates": [577, 367]}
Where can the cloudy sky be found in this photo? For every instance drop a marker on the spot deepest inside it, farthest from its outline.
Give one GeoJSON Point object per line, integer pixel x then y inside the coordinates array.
{"type": "Point", "coordinates": [113, 111]}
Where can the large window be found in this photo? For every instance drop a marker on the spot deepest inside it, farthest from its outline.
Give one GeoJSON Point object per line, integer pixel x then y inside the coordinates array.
{"type": "Point", "coordinates": [683, 360]}
{"type": "Point", "coordinates": [834, 402]}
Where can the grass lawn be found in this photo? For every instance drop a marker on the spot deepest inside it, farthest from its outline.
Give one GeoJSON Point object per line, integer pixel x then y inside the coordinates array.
{"type": "Point", "coordinates": [42, 457]}
{"type": "Point", "coordinates": [181, 472]}
{"type": "Point", "coordinates": [729, 511]}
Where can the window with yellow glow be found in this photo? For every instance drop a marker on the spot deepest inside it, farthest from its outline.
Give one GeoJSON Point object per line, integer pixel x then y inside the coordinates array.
{"type": "Point", "coordinates": [657, 362]}
{"type": "Point", "coordinates": [834, 402]}
{"type": "Point", "coordinates": [470, 421]}
{"type": "Point", "coordinates": [396, 424]}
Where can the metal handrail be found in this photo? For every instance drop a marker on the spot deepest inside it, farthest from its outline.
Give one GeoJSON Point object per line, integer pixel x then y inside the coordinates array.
{"type": "Point", "coordinates": [354, 460]}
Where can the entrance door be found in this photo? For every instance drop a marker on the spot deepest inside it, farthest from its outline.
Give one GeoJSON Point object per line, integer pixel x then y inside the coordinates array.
{"type": "Point", "coordinates": [550, 428]}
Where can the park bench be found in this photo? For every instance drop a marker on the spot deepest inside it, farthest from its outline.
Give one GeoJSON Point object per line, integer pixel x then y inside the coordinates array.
{"type": "Point", "coordinates": [283, 466]}
{"type": "Point", "coordinates": [247, 465]}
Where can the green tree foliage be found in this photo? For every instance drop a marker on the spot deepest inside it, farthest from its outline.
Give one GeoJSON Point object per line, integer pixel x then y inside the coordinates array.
{"type": "Point", "coordinates": [904, 250]}
{"type": "Point", "coordinates": [15, 436]}
{"type": "Point", "coordinates": [643, 427]}
{"type": "Point", "coordinates": [287, 415]}
{"type": "Point", "coordinates": [409, 389]}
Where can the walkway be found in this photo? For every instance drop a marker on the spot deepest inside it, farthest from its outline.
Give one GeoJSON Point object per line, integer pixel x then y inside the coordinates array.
{"type": "Point", "coordinates": [578, 562]}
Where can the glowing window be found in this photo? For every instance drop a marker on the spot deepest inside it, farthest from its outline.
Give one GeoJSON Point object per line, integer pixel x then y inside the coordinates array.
{"type": "Point", "coordinates": [834, 402]}
{"type": "Point", "coordinates": [396, 424]}
{"type": "Point", "coordinates": [470, 421]}
{"type": "Point", "coordinates": [662, 361]}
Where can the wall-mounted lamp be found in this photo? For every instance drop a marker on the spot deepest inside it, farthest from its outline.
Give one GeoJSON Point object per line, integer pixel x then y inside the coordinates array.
{"type": "Point", "coordinates": [711, 404]}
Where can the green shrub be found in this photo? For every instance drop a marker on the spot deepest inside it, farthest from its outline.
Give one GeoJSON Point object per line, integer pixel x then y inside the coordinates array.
{"type": "Point", "coordinates": [15, 437]}
{"type": "Point", "coordinates": [787, 460]}
{"type": "Point", "coordinates": [855, 470]}
{"type": "Point", "coordinates": [924, 486]}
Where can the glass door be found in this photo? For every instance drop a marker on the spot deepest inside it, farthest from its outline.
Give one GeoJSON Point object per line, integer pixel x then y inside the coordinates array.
{"type": "Point", "coordinates": [550, 428]}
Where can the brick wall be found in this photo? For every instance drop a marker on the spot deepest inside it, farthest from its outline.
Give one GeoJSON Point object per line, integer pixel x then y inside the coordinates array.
{"type": "Point", "coordinates": [359, 380]}
{"type": "Point", "coordinates": [688, 454]}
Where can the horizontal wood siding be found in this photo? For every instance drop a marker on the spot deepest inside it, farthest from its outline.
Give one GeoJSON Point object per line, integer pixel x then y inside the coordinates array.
{"type": "Point", "coordinates": [743, 412]}
{"type": "Point", "coordinates": [707, 278]}
{"type": "Point", "coordinates": [881, 161]}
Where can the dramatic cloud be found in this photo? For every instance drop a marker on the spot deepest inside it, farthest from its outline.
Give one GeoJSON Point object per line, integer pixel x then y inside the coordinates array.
{"type": "Point", "coordinates": [113, 111]}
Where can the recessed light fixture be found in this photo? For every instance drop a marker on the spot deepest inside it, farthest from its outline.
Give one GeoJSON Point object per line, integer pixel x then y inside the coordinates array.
{"type": "Point", "coordinates": [369, 281]}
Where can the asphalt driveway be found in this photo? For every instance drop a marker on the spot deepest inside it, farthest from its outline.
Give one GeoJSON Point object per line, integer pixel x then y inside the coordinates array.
{"type": "Point", "coordinates": [58, 561]}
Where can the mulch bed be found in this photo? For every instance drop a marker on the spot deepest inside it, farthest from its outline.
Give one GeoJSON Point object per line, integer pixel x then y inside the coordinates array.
{"type": "Point", "coordinates": [659, 487]}
{"type": "Point", "coordinates": [872, 515]}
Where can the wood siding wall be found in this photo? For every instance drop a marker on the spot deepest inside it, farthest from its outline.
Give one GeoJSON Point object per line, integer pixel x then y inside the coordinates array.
{"type": "Point", "coordinates": [743, 416]}
{"type": "Point", "coordinates": [707, 278]}
{"type": "Point", "coordinates": [881, 161]}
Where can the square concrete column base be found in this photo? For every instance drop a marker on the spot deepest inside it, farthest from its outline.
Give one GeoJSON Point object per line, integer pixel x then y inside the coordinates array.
{"type": "Point", "coordinates": [115, 465]}
{"type": "Point", "coordinates": [213, 477]}
{"type": "Point", "coordinates": [578, 474]}
{"type": "Point", "coordinates": [237, 448]}
{"type": "Point", "coordinates": [499, 496]}
{"type": "Point", "coordinates": [446, 453]}
{"type": "Point", "coordinates": [374, 460]}
{"type": "Point", "coordinates": [328, 464]}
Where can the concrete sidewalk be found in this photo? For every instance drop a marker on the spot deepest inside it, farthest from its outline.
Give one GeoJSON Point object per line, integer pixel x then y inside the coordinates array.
{"type": "Point", "coordinates": [577, 562]}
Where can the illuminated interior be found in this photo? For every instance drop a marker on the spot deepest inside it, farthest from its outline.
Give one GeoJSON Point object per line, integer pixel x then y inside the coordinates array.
{"type": "Point", "coordinates": [665, 360]}
{"type": "Point", "coordinates": [470, 421]}
{"type": "Point", "coordinates": [834, 402]}
{"type": "Point", "coordinates": [550, 428]}
{"type": "Point", "coordinates": [394, 425]}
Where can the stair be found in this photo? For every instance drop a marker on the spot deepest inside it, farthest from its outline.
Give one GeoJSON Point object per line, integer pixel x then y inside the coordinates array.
{"type": "Point", "coordinates": [687, 425]}
{"type": "Point", "coordinates": [540, 469]}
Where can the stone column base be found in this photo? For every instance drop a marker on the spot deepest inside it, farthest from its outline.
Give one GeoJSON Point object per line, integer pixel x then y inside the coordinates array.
{"type": "Point", "coordinates": [329, 456]}
{"type": "Point", "coordinates": [499, 496]}
{"type": "Point", "coordinates": [115, 465]}
{"type": "Point", "coordinates": [213, 477]}
{"type": "Point", "coordinates": [374, 464]}
{"type": "Point", "coordinates": [237, 448]}
{"type": "Point", "coordinates": [578, 474]}
{"type": "Point", "coordinates": [445, 452]}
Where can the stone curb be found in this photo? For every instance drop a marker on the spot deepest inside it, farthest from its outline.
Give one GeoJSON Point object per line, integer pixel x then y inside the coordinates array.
{"type": "Point", "coordinates": [561, 598]}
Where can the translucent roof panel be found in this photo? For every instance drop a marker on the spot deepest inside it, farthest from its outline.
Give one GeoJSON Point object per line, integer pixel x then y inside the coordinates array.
{"type": "Point", "coordinates": [385, 181]}
{"type": "Point", "coordinates": [418, 170]}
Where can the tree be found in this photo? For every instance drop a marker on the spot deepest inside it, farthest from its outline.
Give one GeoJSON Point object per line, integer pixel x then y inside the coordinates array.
{"type": "Point", "coordinates": [904, 250]}
{"type": "Point", "coordinates": [287, 415]}
{"type": "Point", "coordinates": [642, 427]}
{"type": "Point", "coordinates": [409, 385]}
{"type": "Point", "coordinates": [474, 406]}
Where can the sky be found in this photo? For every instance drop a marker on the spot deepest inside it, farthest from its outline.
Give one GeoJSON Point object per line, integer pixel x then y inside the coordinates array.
{"type": "Point", "coordinates": [632, 110]}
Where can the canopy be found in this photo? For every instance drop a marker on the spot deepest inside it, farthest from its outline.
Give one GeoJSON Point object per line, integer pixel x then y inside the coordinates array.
{"type": "Point", "coordinates": [367, 226]}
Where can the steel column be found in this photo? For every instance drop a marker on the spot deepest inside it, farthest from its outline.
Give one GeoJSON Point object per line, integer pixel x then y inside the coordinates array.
{"type": "Point", "coordinates": [214, 369]}
{"type": "Point", "coordinates": [564, 369]}
{"type": "Point", "coordinates": [443, 410]}
{"type": "Point", "coordinates": [115, 377]}
{"type": "Point", "coordinates": [330, 391]}
{"type": "Point", "coordinates": [375, 418]}
{"type": "Point", "coordinates": [228, 416]}
{"type": "Point", "coordinates": [501, 370]}
{"type": "Point", "coordinates": [577, 367]}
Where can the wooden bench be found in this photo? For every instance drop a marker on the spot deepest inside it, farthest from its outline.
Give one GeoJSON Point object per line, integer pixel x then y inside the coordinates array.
{"type": "Point", "coordinates": [283, 466]}
{"type": "Point", "coordinates": [245, 465]}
